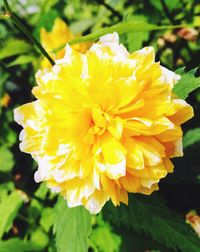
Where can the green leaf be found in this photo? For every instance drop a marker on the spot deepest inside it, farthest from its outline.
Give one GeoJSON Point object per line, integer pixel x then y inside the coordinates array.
{"type": "Point", "coordinates": [173, 4]}
{"type": "Point", "coordinates": [36, 207]}
{"type": "Point", "coordinates": [3, 31]}
{"type": "Point", "coordinates": [14, 47]}
{"type": "Point", "coordinates": [121, 28]}
{"type": "Point", "coordinates": [187, 83]}
{"type": "Point", "coordinates": [191, 137]}
{"type": "Point", "coordinates": [140, 242]}
{"type": "Point", "coordinates": [42, 191]}
{"type": "Point", "coordinates": [9, 136]}
{"type": "Point", "coordinates": [170, 4]}
{"type": "Point", "coordinates": [16, 244]}
{"type": "Point", "coordinates": [72, 228]}
{"type": "Point", "coordinates": [105, 240]}
{"type": "Point", "coordinates": [110, 243]}
{"type": "Point", "coordinates": [22, 59]}
{"type": "Point", "coordinates": [8, 211]}
{"type": "Point", "coordinates": [6, 159]}
{"type": "Point", "coordinates": [47, 218]}
{"type": "Point", "coordinates": [151, 216]}
{"type": "Point", "coordinates": [136, 39]}
{"type": "Point", "coordinates": [40, 239]}
{"type": "Point", "coordinates": [4, 189]}
{"type": "Point", "coordinates": [46, 21]}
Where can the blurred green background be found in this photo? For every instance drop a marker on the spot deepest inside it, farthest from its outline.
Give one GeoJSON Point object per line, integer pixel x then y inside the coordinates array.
{"type": "Point", "coordinates": [31, 217]}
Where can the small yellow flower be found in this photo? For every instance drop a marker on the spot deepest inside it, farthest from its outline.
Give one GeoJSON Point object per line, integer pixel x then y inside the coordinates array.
{"type": "Point", "coordinates": [5, 100]}
{"type": "Point", "coordinates": [59, 36]}
{"type": "Point", "coordinates": [105, 123]}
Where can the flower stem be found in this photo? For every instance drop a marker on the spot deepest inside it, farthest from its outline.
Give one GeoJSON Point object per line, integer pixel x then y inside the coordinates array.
{"type": "Point", "coordinates": [23, 28]}
{"type": "Point", "coordinates": [6, 6]}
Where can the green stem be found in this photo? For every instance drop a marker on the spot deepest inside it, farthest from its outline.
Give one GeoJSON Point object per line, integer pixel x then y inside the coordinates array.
{"type": "Point", "coordinates": [6, 6]}
{"type": "Point", "coordinates": [23, 28]}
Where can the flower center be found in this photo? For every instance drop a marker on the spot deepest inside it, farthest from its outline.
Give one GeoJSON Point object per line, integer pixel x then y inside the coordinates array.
{"type": "Point", "coordinates": [99, 121]}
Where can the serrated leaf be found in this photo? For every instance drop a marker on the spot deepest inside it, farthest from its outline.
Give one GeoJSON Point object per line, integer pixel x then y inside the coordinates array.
{"type": "Point", "coordinates": [187, 83]}
{"type": "Point", "coordinates": [8, 211]}
{"type": "Point", "coordinates": [191, 137]}
{"type": "Point", "coordinates": [135, 39]}
{"type": "Point", "coordinates": [72, 228]}
{"type": "Point", "coordinates": [16, 244]}
{"type": "Point", "coordinates": [22, 59]}
{"type": "Point", "coordinates": [121, 28]}
{"type": "Point", "coordinates": [6, 159]}
{"type": "Point", "coordinates": [133, 241]}
{"type": "Point", "coordinates": [14, 47]}
{"type": "Point", "coordinates": [149, 215]}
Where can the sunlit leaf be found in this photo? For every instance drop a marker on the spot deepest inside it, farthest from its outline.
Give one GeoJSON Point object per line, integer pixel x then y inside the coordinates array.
{"type": "Point", "coordinates": [110, 243]}
{"type": "Point", "coordinates": [135, 39]}
{"type": "Point", "coordinates": [22, 59]}
{"type": "Point", "coordinates": [6, 159]}
{"type": "Point", "coordinates": [8, 210]}
{"type": "Point", "coordinates": [16, 244]}
{"type": "Point", "coordinates": [47, 218]}
{"type": "Point", "coordinates": [72, 228]}
{"type": "Point", "coordinates": [14, 47]}
{"type": "Point", "coordinates": [187, 83]}
{"type": "Point", "coordinates": [121, 28]}
{"type": "Point", "coordinates": [5, 188]}
{"type": "Point", "coordinates": [39, 238]}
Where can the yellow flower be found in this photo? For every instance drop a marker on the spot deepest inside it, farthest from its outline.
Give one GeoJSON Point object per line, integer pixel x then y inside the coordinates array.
{"type": "Point", "coordinates": [105, 123]}
{"type": "Point", "coordinates": [5, 100]}
{"type": "Point", "coordinates": [59, 36]}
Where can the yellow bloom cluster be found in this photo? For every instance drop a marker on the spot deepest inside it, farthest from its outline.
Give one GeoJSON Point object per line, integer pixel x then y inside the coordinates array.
{"type": "Point", "coordinates": [59, 36]}
{"type": "Point", "coordinates": [105, 123]}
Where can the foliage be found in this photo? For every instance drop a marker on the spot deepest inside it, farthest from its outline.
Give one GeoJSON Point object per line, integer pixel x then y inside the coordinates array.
{"type": "Point", "coordinates": [191, 137]}
{"type": "Point", "coordinates": [6, 159]}
{"type": "Point", "coordinates": [13, 243]}
{"type": "Point", "coordinates": [72, 228]}
{"type": "Point", "coordinates": [34, 219]}
{"type": "Point", "coordinates": [187, 84]}
{"type": "Point", "coordinates": [8, 209]}
{"type": "Point", "coordinates": [151, 216]}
